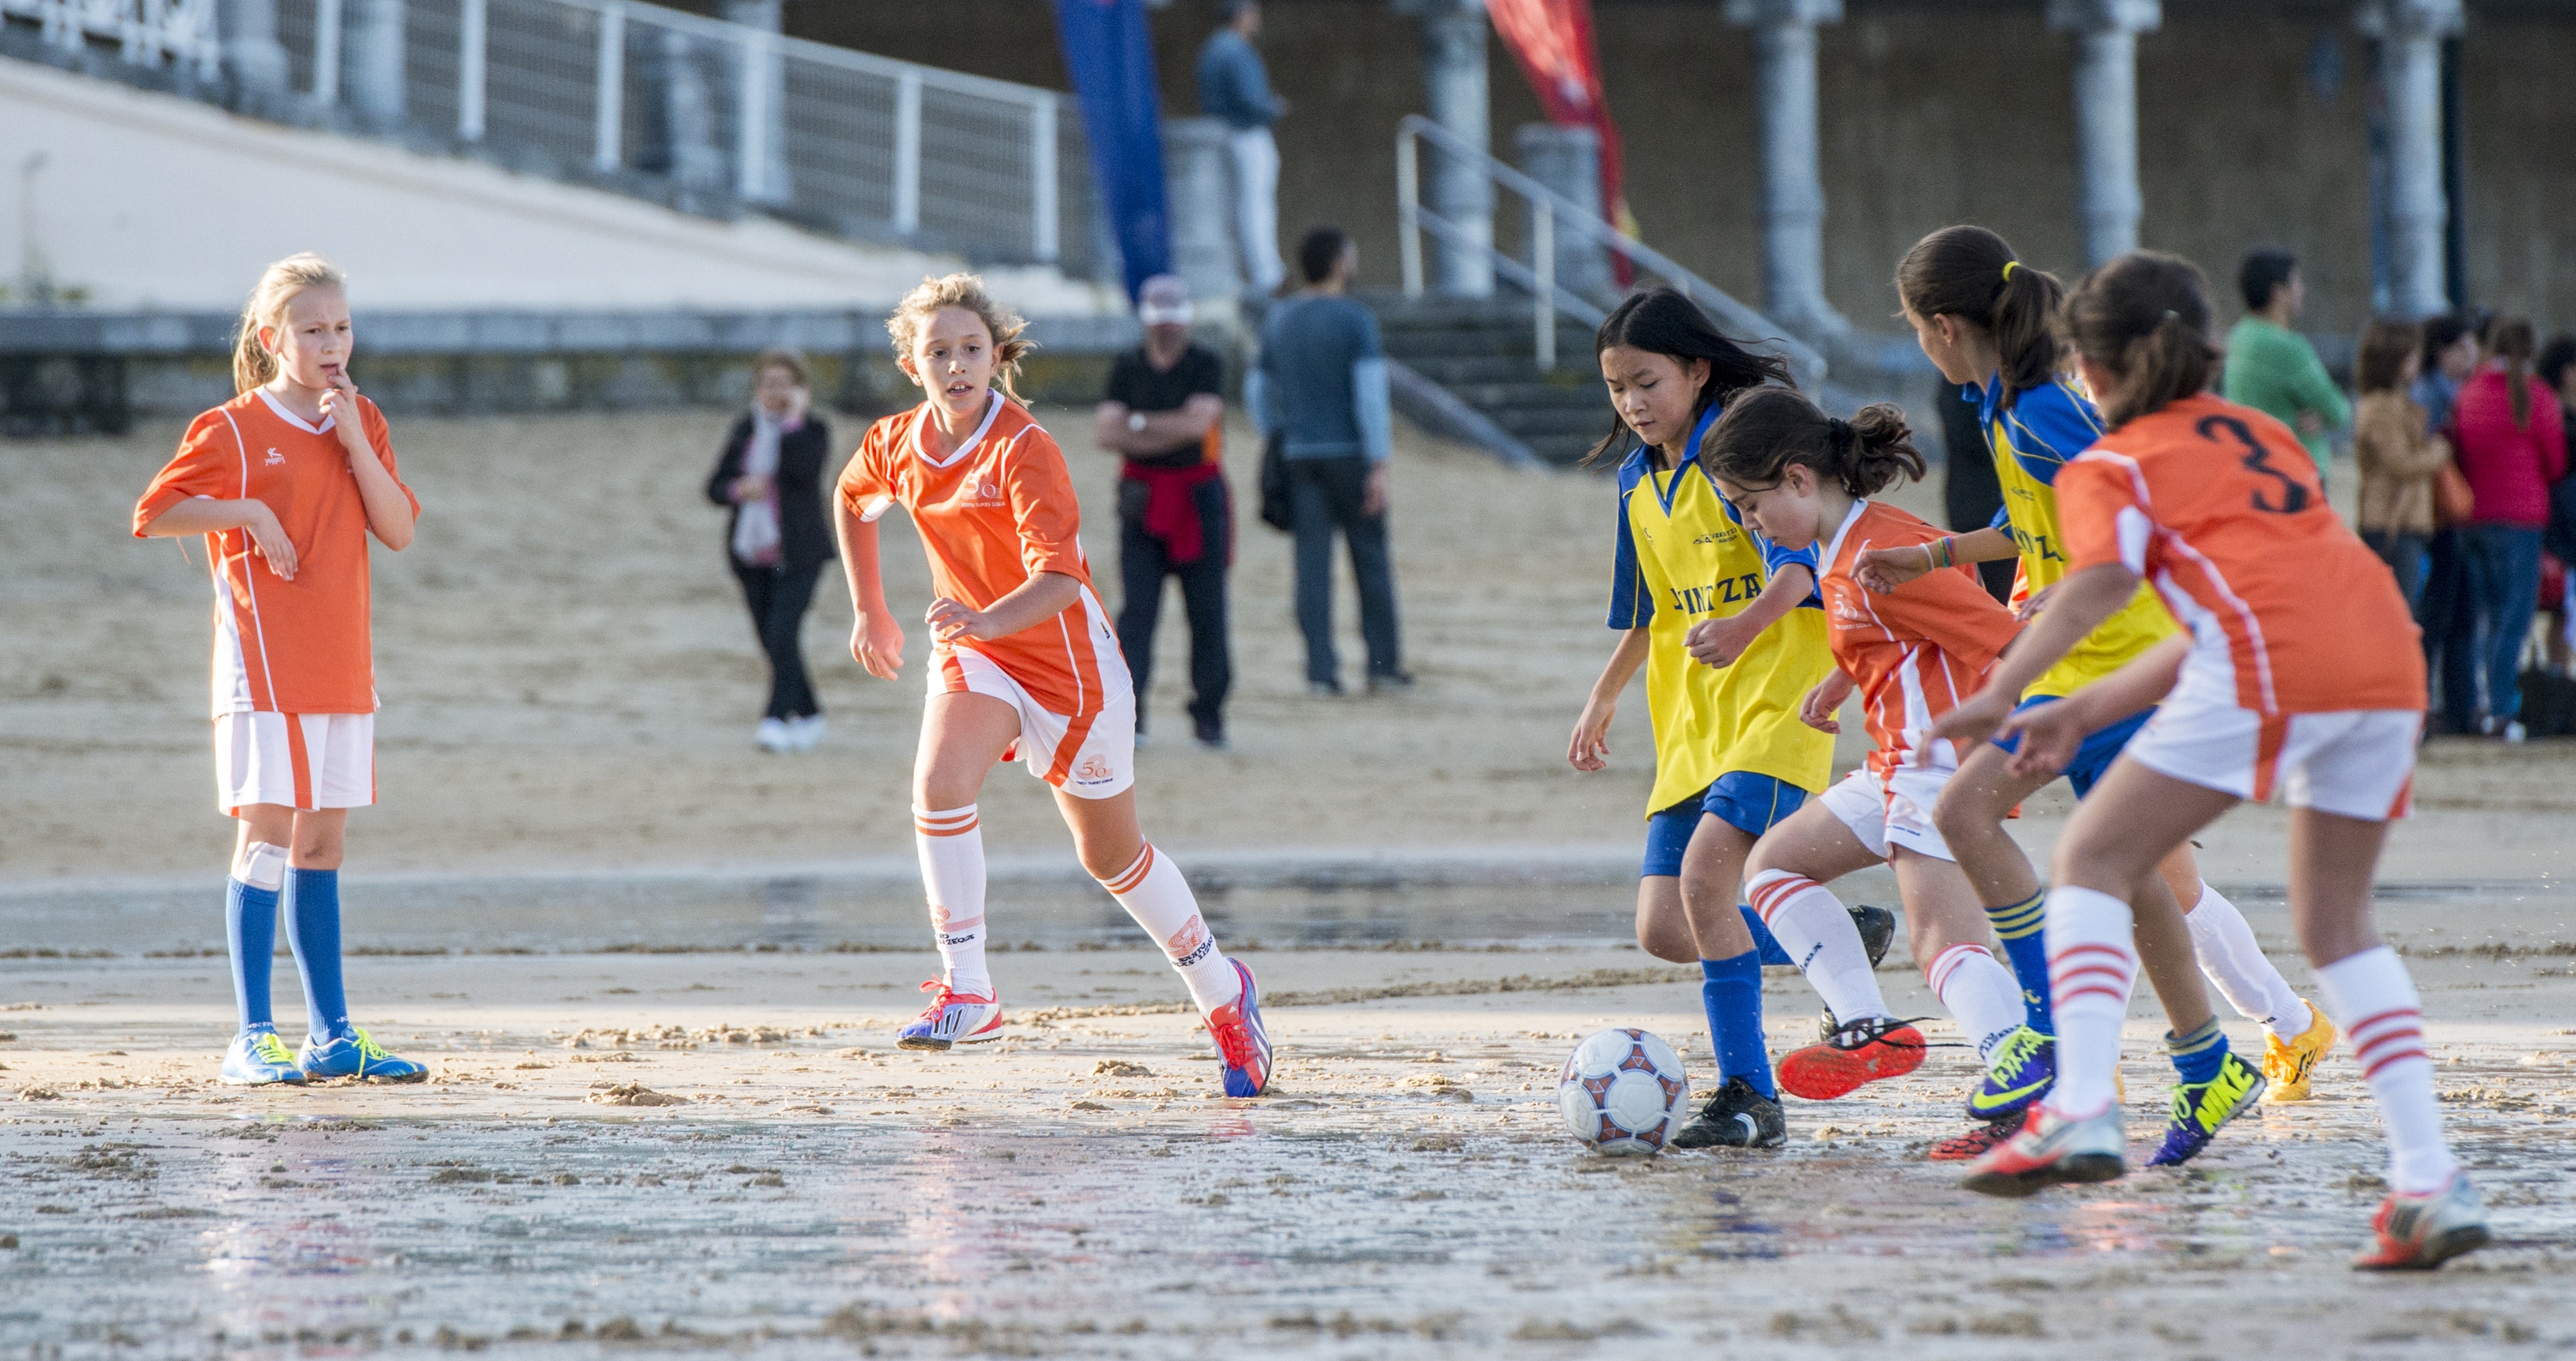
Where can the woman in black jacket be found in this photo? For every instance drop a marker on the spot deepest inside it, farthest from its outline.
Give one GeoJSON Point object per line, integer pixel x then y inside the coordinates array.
{"type": "Point", "coordinates": [776, 541]}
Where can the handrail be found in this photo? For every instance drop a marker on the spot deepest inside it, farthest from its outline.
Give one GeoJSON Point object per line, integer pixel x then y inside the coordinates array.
{"type": "Point", "coordinates": [1550, 210]}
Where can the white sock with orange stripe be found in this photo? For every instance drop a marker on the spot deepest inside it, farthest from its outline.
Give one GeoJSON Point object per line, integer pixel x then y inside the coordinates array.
{"type": "Point", "coordinates": [1816, 930]}
{"type": "Point", "coordinates": [2092, 965]}
{"type": "Point", "coordinates": [1982, 995]}
{"type": "Point", "coordinates": [2224, 944]}
{"type": "Point", "coordinates": [1153, 891]}
{"type": "Point", "coordinates": [2371, 997]}
{"type": "Point", "coordinates": [951, 845]}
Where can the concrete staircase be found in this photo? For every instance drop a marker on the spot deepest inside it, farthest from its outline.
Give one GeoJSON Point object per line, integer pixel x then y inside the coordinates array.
{"type": "Point", "coordinates": [1481, 356]}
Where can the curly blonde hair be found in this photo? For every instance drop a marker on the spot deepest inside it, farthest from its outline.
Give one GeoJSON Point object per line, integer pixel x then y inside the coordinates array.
{"type": "Point", "coordinates": [254, 364]}
{"type": "Point", "coordinates": [966, 291]}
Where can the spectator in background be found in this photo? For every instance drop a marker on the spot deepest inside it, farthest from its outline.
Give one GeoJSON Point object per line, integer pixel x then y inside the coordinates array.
{"type": "Point", "coordinates": [2512, 446]}
{"type": "Point", "coordinates": [2398, 454]}
{"type": "Point", "coordinates": [1165, 410]}
{"type": "Point", "coordinates": [2273, 368]}
{"type": "Point", "coordinates": [1234, 86]}
{"type": "Point", "coordinates": [2450, 356]}
{"type": "Point", "coordinates": [771, 473]}
{"type": "Point", "coordinates": [1321, 383]}
{"type": "Point", "coordinates": [2557, 369]}
{"type": "Point", "coordinates": [2445, 611]}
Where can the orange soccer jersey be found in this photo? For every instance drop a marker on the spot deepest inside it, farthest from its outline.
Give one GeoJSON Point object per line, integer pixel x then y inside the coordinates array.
{"type": "Point", "coordinates": [301, 646]}
{"type": "Point", "coordinates": [992, 515]}
{"type": "Point", "coordinates": [2219, 505]}
{"type": "Point", "coordinates": [1914, 652]}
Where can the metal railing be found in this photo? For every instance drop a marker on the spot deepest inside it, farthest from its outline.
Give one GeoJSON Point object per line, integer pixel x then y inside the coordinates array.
{"type": "Point", "coordinates": [1549, 213]}
{"type": "Point", "coordinates": [646, 98]}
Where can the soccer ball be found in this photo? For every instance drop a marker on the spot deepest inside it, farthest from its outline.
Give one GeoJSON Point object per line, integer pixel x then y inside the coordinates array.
{"type": "Point", "coordinates": [1619, 1090]}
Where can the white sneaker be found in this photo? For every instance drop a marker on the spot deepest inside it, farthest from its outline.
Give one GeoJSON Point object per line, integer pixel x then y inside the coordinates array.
{"type": "Point", "coordinates": [772, 735]}
{"type": "Point", "coordinates": [806, 733]}
{"type": "Point", "coordinates": [2513, 731]}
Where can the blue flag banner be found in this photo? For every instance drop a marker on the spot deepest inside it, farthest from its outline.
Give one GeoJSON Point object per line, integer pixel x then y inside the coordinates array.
{"type": "Point", "coordinates": [1112, 60]}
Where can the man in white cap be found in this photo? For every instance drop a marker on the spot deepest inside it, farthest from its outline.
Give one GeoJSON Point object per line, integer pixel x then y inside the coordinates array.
{"type": "Point", "coordinates": [1165, 412]}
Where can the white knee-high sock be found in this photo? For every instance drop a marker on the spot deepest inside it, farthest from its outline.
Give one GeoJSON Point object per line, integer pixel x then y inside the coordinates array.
{"type": "Point", "coordinates": [2092, 965]}
{"type": "Point", "coordinates": [951, 845]}
{"type": "Point", "coordinates": [1153, 891]}
{"type": "Point", "coordinates": [2225, 947]}
{"type": "Point", "coordinates": [2371, 997]}
{"type": "Point", "coordinates": [1816, 929]}
{"type": "Point", "coordinates": [1980, 992]}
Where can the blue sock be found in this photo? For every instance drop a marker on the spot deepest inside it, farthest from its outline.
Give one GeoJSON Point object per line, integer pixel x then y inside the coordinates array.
{"type": "Point", "coordinates": [313, 928]}
{"type": "Point", "coordinates": [250, 934]}
{"type": "Point", "coordinates": [1765, 944]}
{"type": "Point", "coordinates": [2020, 925]}
{"type": "Point", "coordinates": [1732, 993]}
{"type": "Point", "coordinates": [2197, 1056]}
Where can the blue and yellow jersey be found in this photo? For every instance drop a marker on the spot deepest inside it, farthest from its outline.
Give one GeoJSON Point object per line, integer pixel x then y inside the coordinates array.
{"type": "Point", "coordinates": [2033, 438]}
{"type": "Point", "coordinates": [1684, 555]}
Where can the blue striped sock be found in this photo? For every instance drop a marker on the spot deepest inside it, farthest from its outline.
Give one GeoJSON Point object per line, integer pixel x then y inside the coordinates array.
{"type": "Point", "coordinates": [2020, 926]}
{"type": "Point", "coordinates": [313, 929]}
{"type": "Point", "coordinates": [2197, 1056]}
{"type": "Point", "coordinates": [250, 935]}
{"type": "Point", "coordinates": [1765, 945]}
{"type": "Point", "coordinates": [1731, 990]}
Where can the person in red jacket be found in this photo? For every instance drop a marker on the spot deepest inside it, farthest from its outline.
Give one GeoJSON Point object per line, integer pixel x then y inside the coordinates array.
{"type": "Point", "coordinates": [2511, 441]}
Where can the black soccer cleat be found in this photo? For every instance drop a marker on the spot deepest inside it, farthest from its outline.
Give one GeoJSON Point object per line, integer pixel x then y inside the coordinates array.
{"type": "Point", "coordinates": [1737, 1117]}
{"type": "Point", "coordinates": [1877, 927]}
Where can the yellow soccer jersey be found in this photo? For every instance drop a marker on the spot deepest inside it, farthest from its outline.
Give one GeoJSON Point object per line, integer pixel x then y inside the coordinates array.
{"type": "Point", "coordinates": [2032, 439]}
{"type": "Point", "coordinates": [1683, 556]}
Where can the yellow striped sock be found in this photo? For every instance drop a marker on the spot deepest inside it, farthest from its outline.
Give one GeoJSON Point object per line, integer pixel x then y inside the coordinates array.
{"type": "Point", "coordinates": [2013, 921]}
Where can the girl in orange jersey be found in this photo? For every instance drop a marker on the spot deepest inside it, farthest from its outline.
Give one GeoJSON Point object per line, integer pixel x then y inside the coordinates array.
{"type": "Point", "coordinates": [1023, 664]}
{"type": "Point", "coordinates": [1802, 480]}
{"type": "Point", "coordinates": [286, 481]}
{"type": "Point", "coordinates": [2297, 671]}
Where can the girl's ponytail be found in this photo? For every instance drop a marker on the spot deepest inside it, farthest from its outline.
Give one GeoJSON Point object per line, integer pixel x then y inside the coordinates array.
{"type": "Point", "coordinates": [2512, 342]}
{"type": "Point", "coordinates": [1972, 274]}
{"type": "Point", "coordinates": [1767, 429]}
{"type": "Point", "coordinates": [2144, 318]}
{"type": "Point", "coordinates": [254, 364]}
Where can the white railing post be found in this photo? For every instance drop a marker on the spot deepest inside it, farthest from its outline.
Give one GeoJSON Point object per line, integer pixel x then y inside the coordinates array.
{"type": "Point", "coordinates": [1042, 187]}
{"type": "Point", "coordinates": [326, 51]}
{"type": "Point", "coordinates": [472, 36]}
{"type": "Point", "coordinates": [751, 124]}
{"type": "Point", "coordinates": [1408, 212]}
{"type": "Point", "coordinates": [608, 133]}
{"type": "Point", "coordinates": [1543, 295]}
{"type": "Point", "coordinates": [907, 151]}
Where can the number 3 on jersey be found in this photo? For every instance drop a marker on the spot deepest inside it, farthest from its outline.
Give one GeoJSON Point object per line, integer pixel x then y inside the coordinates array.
{"type": "Point", "coordinates": [2294, 496]}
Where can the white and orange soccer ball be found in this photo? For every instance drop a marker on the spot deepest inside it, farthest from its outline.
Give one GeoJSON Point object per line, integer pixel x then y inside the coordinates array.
{"type": "Point", "coordinates": [1620, 1092]}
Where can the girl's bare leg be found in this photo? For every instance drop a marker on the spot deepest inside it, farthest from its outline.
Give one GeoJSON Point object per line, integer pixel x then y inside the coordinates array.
{"type": "Point", "coordinates": [1711, 889]}
{"type": "Point", "coordinates": [1662, 928]}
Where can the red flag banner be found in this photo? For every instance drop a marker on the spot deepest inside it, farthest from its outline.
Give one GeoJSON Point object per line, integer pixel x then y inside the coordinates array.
{"type": "Point", "coordinates": [1554, 44]}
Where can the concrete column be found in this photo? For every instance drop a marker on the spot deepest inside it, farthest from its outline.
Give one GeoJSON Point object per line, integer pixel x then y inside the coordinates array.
{"type": "Point", "coordinates": [1198, 197]}
{"type": "Point", "coordinates": [681, 126]}
{"type": "Point", "coordinates": [2411, 33]}
{"type": "Point", "coordinates": [1454, 83]}
{"type": "Point", "coordinates": [1568, 160]}
{"type": "Point", "coordinates": [1793, 192]}
{"type": "Point", "coordinates": [2106, 116]}
{"type": "Point", "coordinates": [256, 60]}
{"type": "Point", "coordinates": [371, 71]}
{"type": "Point", "coordinates": [770, 184]}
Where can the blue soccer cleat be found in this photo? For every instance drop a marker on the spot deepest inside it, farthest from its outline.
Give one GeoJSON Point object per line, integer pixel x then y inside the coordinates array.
{"type": "Point", "coordinates": [2021, 1070]}
{"type": "Point", "coordinates": [257, 1058]}
{"type": "Point", "coordinates": [2201, 1109]}
{"type": "Point", "coordinates": [1236, 1028]}
{"type": "Point", "coordinates": [952, 1017]}
{"type": "Point", "coordinates": [357, 1056]}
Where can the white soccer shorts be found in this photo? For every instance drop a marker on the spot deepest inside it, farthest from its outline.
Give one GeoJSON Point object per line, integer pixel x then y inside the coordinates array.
{"type": "Point", "coordinates": [2354, 763]}
{"type": "Point", "coordinates": [1093, 757]}
{"type": "Point", "coordinates": [304, 761]}
{"type": "Point", "coordinates": [1894, 812]}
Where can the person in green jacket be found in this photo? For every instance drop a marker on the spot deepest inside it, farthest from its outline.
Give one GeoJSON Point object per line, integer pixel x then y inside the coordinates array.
{"type": "Point", "coordinates": [2271, 367]}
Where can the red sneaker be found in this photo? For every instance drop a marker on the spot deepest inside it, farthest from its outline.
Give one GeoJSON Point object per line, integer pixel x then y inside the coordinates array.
{"type": "Point", "coordinates": [1857, 1052]}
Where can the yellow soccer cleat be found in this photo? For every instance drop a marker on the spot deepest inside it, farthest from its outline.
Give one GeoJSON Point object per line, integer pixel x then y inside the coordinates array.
{"type": "Point", "coordinates": [2286, 1065]}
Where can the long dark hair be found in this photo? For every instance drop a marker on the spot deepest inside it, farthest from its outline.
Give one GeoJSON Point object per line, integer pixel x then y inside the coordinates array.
{"type": "Point", "coordinates": [2512, 342]}
{"type": "Point", "coordinates": [2144, 318]}
{"type": "Point", "coordinates": [1664, 321]}
{"type": "Point", "coordinates": [1769, 429]}
{"type": "Point", "coordinates": [1972, 274]}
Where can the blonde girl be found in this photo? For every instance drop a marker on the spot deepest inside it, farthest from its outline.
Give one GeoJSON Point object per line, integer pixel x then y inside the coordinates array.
{"type": "Point", "coordinates": [1023, 664]}
{"type": "Point", "coordinates": [286, 481]}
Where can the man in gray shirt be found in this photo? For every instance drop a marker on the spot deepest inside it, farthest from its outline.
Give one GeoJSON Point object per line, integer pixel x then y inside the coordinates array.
{"type": "Point", "coordinates": [1235, 87]}
{"type": "Point", "coordinates": [1320, 388]}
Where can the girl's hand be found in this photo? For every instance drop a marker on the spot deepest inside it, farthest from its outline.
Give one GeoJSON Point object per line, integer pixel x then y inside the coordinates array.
{"type": "Point", "coordinates": [876, 643]}
{"type": "Point", "coordinates": [1884, 569]}
{"type": "Point", "coordinates": [340, 401]}
{"type": "Point", "coordinates": [1718, 642]}
{"type": "Point", "coordinates": [1817, 710]}
{"type": "Point", "coordinates": [2050, 735]}
{"type": "Point", "coordinates": [268, 539]}
{"type": "Point", "coordinates": [950, 621]}
{"type": "Point", "coordinates": [1977, 718]}
{"type": "Point", "coordinates": [2029, 609]}
{"type": "Point", "coordinates": [1589, 748]}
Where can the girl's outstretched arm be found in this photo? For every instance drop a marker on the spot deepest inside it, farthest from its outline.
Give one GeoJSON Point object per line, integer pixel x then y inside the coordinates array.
{"type": "Point", "coordinates": [2051, 733]}
{"type": "Point", "coordinates": [1884, 569]}
{"type": "Point", "coordinates": [876, 640]}
{"type": "Point", "coordinates": [2077, 606]}
{"type": "Point", "coordinates": [1589, 748]}
{"type": "Point", "coordinates": [1718, 642]}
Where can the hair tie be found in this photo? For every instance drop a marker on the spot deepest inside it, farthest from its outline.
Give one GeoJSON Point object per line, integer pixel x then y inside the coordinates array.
{"type": "Point", "coordinates": [1839, 429]}
{"type": "Point", "coordinates": [2009, 267]}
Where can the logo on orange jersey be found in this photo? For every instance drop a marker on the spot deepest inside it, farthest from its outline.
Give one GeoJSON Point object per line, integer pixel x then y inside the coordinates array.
{"type": "Point", "coordinates": [274, 458]}
{"type": "Point", "coordinates": [1191, 943]}
{"type": "Point", "coordinates": [1093, 770]}
{"type": "Point", "coordinates": [984, 491]}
